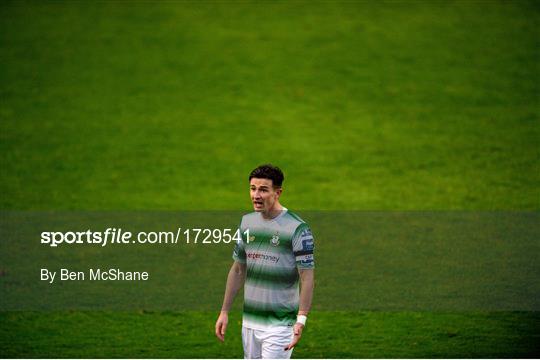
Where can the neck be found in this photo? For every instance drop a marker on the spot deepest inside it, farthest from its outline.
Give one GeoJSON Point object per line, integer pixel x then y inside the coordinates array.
{"type": "Point", "coordinates": [273, 212]}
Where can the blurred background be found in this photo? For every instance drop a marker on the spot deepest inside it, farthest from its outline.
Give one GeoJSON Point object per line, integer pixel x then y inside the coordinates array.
{"type": "Point", "coordinates": [399, 105]}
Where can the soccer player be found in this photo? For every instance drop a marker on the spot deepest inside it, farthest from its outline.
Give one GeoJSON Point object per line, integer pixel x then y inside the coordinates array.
{"type": "Point", "coordinates": [269, 263]}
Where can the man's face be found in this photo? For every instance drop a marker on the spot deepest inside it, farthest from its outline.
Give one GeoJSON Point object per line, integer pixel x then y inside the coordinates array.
{"type": "Point", "coordinates": [263, 194]}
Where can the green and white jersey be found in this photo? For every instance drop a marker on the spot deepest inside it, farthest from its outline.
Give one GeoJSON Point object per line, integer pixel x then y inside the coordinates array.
{"type": "Point", "coordinates": [274, 252]}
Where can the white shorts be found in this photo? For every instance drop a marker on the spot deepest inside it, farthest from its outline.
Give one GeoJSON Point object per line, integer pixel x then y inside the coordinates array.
{"type": "Point", "coordinates": [267, 344]}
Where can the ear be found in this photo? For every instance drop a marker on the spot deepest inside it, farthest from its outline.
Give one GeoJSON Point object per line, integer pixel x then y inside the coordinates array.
{"type": "Point", "coordinates": [279, 190]}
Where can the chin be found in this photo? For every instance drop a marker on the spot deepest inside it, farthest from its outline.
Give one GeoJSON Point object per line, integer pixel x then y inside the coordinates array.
{"type": "Point", "coordinates": [258, 209]}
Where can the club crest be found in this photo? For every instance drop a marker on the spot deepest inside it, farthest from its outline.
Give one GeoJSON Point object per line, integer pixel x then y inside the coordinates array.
{"type": "Point", "coordinates": [275, 239]}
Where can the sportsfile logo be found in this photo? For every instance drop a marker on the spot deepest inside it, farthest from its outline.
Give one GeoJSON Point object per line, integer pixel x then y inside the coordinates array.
{"type": "Point", "coordinates": [263, 257]}
{"type": "Point", "coordinates": [121, 236]}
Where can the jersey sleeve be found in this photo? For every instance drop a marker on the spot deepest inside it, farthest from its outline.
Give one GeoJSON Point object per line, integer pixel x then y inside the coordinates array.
{"type": "Point", "coordinates": [303, 246]}
{"type": "Point", "coordinates": [239, 252]}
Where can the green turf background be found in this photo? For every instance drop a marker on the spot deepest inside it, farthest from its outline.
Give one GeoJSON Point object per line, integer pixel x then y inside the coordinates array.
{"type": "Point", "coordinates": [365, 105]}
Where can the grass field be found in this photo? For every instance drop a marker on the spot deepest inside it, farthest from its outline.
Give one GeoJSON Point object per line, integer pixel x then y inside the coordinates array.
{"type": "Point", "coordinates": [335, 335]}
{"type": "Point", "coordinates": [421, 105]}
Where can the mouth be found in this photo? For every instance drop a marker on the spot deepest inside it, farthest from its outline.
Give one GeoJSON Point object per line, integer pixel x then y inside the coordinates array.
{"type": "Point", "coordinates": [258, 204]}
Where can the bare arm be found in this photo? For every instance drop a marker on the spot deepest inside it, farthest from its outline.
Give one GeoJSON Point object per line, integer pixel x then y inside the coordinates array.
{"type": "Point", "coordinates": [235, 280]}
{"type": "Point", "coordinates": [307, 283]}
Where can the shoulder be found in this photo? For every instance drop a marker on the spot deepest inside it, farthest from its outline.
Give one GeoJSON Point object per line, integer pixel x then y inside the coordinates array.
{"type": "Point", "coordinates": [251, 215]}
{"type": "Point", "coordinates": [294, 222]}
{"type": "Point", "coordinates": [294, 217]}
{"type": "Point", "coordinates": [249, 219]}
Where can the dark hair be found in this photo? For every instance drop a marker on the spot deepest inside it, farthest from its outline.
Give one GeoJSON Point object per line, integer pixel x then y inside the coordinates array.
{"type": "Point", "coordinates": [268, 171]}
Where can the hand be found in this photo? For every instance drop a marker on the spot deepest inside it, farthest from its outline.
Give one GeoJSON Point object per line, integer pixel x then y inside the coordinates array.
{"type": "Point", "coordinates": [297, 329]}
{"type": "Point", "coordinates": [221, 325]}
